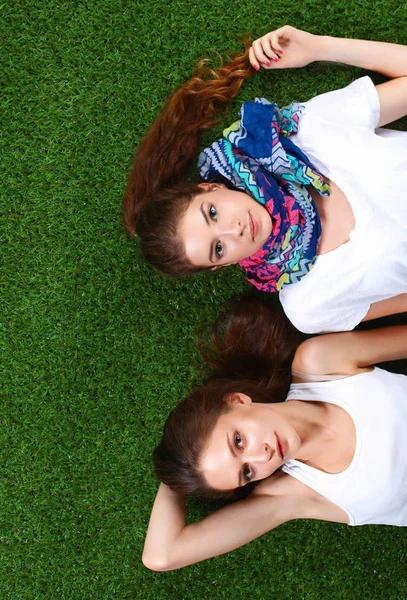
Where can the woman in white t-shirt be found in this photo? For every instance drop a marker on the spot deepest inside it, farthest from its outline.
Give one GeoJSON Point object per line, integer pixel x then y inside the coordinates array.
{"type": "Point", "coordinates": [336, 259]}
{"type": "Point", "coordinates": [335, 450]}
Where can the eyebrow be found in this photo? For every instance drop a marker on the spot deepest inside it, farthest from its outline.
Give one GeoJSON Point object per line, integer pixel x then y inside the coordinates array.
{"type": "Point", "coordinates": [232, 450]}
{"type": "Point", "coordinates": [205, 216]}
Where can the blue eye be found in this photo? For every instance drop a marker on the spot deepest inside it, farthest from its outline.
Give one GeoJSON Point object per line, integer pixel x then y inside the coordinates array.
{"type": "Point", "coordinates": [238, 441]}
{"type": "Point", "coordinates": [219, 250]}
{"type": "Point", "coordinates": [212, 212]}
{"type": "Point", "coordinates": [247, 474]}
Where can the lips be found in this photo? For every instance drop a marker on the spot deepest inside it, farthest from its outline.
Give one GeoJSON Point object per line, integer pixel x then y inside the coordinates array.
{"type": "Point", "coordinates": [280, 447]}
{"type": "Point", "coordinates": [254, 227]}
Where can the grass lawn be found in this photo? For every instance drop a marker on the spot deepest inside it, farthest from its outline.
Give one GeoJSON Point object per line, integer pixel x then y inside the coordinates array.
{"type": "Point", "coordinates": [95, 346]}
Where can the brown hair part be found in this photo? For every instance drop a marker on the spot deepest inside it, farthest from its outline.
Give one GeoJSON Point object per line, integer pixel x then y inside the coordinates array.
{"type": "Point", "coordinates": [169, 147]}
{"type": "Point", "coordinates": [251, 349]}
{"type": "Point", "coordinates": [158, 224]}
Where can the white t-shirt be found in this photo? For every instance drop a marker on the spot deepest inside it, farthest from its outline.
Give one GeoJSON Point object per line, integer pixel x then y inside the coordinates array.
{"type": "Point", "coordinates": [373, 488]}
{"type": "Point", "coordinates": [337, 132]}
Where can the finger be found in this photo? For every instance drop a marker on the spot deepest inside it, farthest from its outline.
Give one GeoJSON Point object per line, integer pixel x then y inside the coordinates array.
{"type": "Point", "coordinates": [259, 54]}
{"type": "Point", "coordinates": [275, 41]}
{"type": "Point", "coordinates": [284, 36]}
{"type": "Point", "coordinates": [253, 60]}
{"type": "Point", "coordinates": [268, 48]}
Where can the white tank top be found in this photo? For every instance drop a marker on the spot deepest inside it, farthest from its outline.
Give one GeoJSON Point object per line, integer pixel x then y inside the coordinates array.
{"type": "Point", "coordinates": [373, 489]}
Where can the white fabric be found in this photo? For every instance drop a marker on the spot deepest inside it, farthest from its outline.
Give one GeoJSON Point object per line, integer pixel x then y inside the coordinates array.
{"type": "Point", "coordinates": [373, 489]}
{"type": "Point", "coordinates": [337, 132]}
{"type": "Point", "coordinates": [309, 377]}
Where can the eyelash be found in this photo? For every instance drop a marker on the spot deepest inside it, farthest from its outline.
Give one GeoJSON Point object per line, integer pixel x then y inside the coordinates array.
{"type": "Point", "coordinates": [219, 249]}
{"type": "Point", "coordinates": [238, 441]}
{"type": "Point", "coordinates": [213, 215]}
{"type": "Point", "coordinates": [247, 472]}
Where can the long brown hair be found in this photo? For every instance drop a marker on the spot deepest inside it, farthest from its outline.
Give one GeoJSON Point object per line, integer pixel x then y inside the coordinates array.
{"type": "Point", "coordinates": [251, 350]}
{"type": "Point", "coordinates": [167, 151]}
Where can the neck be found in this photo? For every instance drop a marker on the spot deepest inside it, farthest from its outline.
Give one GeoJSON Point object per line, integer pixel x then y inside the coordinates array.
{"type": "Point", "coordinates": [311, 422]}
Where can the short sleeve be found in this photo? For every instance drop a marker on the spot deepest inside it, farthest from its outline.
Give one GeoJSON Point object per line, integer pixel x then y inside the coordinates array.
{"type": "Point", "coordinates": [324, 318]}
{"type": "Point", "coordinates": [357, 105]}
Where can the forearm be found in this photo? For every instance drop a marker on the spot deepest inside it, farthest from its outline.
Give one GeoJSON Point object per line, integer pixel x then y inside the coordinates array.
{"type": "Point", "coordinates": [390, 306]}
{"type": "Point", "coordinates": [289, 48]}
{"type": "Point", "coordinates": [385, 58]}
{"type": "Point", "coordinates": [171, 544]}
{"type": "Point", "coordinates": [381, 345]}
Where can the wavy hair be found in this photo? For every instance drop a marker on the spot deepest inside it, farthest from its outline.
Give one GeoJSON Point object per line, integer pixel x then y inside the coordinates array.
{"type": "Point", "coordinates": [156, 196]}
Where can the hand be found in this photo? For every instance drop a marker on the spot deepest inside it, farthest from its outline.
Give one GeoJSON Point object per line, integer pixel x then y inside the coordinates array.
{"type": "Point", "coordinates": [285, 48]}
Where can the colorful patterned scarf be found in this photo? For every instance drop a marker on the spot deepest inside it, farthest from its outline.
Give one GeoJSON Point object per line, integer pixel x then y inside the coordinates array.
{"type": "Point", "coordinates": [256, 156]}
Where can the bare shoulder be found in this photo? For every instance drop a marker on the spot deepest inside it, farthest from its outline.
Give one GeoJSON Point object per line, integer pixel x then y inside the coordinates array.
{"type": "Point", "coordinates": [311, 356]}
{"type": "Point", "coordinates": [296, 500]}
{"type": "Point", "coordinates": [333, 354]}
{"type": "Point", "coordinates": [350, 352]}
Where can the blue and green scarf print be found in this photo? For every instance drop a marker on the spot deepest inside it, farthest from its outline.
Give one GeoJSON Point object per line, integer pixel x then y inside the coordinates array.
{"type": "Point", "coordinates": [257, 157]}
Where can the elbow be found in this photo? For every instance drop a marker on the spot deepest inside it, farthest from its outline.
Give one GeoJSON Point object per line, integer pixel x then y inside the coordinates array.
{"type": "Point", "coordinates": [156, 562]}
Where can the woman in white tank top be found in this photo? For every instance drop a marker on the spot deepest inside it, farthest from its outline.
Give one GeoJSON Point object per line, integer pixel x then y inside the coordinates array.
{"type": "Point", "coordinates": [336, 450]}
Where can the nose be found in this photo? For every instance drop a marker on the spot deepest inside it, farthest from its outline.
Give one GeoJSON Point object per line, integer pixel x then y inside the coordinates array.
{"type": "Point", "coordinates": [259, 455]}
{"type": "Point", "coordinates": [235, 228]}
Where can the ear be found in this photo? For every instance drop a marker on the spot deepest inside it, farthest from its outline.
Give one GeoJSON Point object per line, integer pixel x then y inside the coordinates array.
{"type": "Point", "coordinates": [210, 187]}
{"type": "Point", "coordinates": [204, 186]}
{"type": "Point", "coordinates": [239, 398]}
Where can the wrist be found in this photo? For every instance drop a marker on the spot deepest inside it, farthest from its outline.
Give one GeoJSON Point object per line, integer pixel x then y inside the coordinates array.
{"type": "Point", "coordinates": [325, 48]}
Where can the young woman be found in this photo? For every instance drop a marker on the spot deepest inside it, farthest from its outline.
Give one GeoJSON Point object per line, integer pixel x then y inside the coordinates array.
{"type": "Point", "coordinates": [336, 450]}
{"type": "Point", "coordinates": [310, 201]}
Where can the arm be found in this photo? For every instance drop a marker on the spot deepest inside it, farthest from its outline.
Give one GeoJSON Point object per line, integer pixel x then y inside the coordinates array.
{"type": "Point", "coordinates": [390, 306]}
{"type": "Point", "coordinates": [288, 47]}
{"type": "Point", "coordinates": [351, 352]}
{"type": "Point", "coordinates": [171, 543]}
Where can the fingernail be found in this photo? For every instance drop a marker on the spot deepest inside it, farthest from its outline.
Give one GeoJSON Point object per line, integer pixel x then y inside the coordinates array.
{"type": "Point", "coordinates": [267, 63]}
{"type": "Point", "coordinates": [255, 67]}
{"type": "Point", "coordinates": [275, 59]}
{"type": "Point", "coordinates": [280, 51]}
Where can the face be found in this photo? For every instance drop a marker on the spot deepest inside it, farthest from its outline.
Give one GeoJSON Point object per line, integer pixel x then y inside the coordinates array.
{"type": "Point", "coordinates": [248, 443]}
{"type": "Point", "coordinates": [223, 226]}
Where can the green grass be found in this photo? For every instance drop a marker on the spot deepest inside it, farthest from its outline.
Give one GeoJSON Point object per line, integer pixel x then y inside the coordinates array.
{"type": "Point", "coordinates": [95, 346]}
